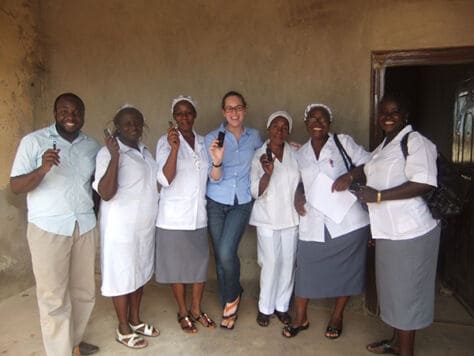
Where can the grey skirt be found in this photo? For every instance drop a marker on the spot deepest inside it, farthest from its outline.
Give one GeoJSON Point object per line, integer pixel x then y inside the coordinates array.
{"type": "Point", "coordinates": [182, 256]}
{"type": "Point", "coordinates": [332, 268]}
{"type": "Point", "coordinates": [405, 276]}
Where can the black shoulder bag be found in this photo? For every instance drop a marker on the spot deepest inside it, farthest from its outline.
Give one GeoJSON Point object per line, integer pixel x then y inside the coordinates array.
{"type": "Point", "coordinates": [446, 200]}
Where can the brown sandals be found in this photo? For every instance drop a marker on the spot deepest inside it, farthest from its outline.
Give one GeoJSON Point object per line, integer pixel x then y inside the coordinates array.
{"type": "Point", "coordinates": [186, 324]}
{"type": "Point", "coordinates": [204, 320]}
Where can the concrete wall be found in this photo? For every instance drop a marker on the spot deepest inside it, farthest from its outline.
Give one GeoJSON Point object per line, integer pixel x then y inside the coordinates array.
{"type": "Point", "coordinates": [19, 69]}
{"type": "Point", "coordinates": [280, 54]}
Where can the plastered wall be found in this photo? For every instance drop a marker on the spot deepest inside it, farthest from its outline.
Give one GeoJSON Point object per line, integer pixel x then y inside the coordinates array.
{"type": "Point", "coordinates": [280, 54]}
{"type": "Point", "coordinates": [19, 69]}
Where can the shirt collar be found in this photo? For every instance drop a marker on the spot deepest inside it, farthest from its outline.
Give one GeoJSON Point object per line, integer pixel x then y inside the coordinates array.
{"type": "Point", "coordinates": [124, 148]}
{"type": "Point", "coordinates": [224, 125]}
{"type": "Point", "coordinates": [399, 136]}
{"type": "Point", "coordinates": [54, 134]}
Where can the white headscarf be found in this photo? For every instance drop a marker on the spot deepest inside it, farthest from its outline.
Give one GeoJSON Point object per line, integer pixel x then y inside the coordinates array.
{"type": "Point", "coordinates": [317, 105]}
{"type": "Point", "coordinates": [183, 98]}
{"type": "Point", "coordinates": [280, 114]}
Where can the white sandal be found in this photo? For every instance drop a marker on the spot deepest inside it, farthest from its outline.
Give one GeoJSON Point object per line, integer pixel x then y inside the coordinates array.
{"type": "Point", "coordinates": [148, 329]}
{"type": "Point", "coordinates": [131, 340]}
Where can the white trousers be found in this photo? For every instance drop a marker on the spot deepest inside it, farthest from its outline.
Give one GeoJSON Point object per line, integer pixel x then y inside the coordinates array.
{"type": "Point", "coordinates": [276, 256]}
{"type": "Point", "coordinates": [65, 285]}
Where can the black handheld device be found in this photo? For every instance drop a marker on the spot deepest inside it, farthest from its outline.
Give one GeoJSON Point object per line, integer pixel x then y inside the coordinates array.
{"type": "Point", "coordinates": [220, 138]}
{"type": "Point", "coordinates": [269, 154]}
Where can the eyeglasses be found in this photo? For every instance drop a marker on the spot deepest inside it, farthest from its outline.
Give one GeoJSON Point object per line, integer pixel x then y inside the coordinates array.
{"type": "Point", "coordinates": [238, 108]}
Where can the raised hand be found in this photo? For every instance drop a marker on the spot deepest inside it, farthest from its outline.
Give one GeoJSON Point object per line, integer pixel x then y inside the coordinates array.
{"type": "Point", "coordinates": [112, 145]}
{"type": "Point", "coordinates": [216, 152]}
{"type": "Point", "coordinates": [50, 157]}
{"type": "Point", "coordinates": [173, 138]}
{"type": "Point", "coordinates": [267, 165]}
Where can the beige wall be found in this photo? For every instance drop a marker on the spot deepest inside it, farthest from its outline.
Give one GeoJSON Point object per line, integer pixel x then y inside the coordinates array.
{"type": "Point", "coordinates": [19, 69]}
{"type": "Point", "coordinates": [279, 54]}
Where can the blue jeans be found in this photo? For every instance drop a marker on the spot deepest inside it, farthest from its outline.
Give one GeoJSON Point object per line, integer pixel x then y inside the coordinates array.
{"type": "Point", "coordinates": [227, 224]}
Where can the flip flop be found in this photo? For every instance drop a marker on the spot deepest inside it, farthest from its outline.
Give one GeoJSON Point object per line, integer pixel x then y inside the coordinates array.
{"type": "Point", "coordinates": [385, 346]}
{"type": "Point", "coordinates": [230, 319]}
{"type": "Point", "coordinates": [290, 331]}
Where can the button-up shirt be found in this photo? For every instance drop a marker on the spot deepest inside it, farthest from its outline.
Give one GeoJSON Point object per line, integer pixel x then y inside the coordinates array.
{"type": "Point", "coordinates": [275, 208]}
{"type": "Point", "coordinates": [401, 219]}
{"type": "Point", "coordinates": [235, 180]}
{"type": "Point", "coordinates": [64, 196]}
{"type": "Point", "coordinates": [183, 201]}
{"type": "Point", "coordinates": [330, 163]}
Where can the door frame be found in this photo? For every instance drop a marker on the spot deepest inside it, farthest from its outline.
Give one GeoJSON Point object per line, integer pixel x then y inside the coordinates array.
{"type": "Point", "coordinates": [380, 61]}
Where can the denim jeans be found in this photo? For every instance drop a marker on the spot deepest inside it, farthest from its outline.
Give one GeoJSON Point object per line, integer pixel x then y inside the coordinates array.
{"type": "Point", "coordinates": [227, 224]}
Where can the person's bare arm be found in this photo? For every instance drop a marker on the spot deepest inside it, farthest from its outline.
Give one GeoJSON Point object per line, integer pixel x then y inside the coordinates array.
{"type": "Point", "coordinates": [108, 184]}
{"type": "Point", "coordinates": [27, 182]}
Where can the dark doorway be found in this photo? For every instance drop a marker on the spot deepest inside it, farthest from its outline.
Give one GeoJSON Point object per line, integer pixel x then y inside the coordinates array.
{"type": "Point", "coordinates": [440, 86]}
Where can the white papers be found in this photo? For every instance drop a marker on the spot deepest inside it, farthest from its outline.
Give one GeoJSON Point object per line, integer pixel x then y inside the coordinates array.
{"type": "Point", "coordinates": [334, 205]}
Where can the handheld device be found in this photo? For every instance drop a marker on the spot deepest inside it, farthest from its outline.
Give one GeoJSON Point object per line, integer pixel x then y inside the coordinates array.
{"type": "Point", "coordinates": [54, 145]}
{"type": "Point", "coordinates": [269, 154]}
{"type": "Point", "coordinates": [172, 125]}
{"type": "Point", "coordinates": [220, 138]}
{"type": "Point", "coordinates": [107, 133]}
{"type": "Point", "coordinates": [354, 187]}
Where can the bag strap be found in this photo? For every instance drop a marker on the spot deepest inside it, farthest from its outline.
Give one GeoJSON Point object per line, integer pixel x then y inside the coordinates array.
{"type": "Point", "coordinates": [345, 157]}
{"type": "Point", "coordinates": [404, 144]}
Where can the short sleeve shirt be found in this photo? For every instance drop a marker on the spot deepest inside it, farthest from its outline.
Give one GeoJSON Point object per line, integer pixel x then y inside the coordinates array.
{"type": "Point", "coordinates": [330, 163]}
{"type": "Point", "coordinates": [403, 218]}
{"type": "Point", "coordinates": [64, 196]}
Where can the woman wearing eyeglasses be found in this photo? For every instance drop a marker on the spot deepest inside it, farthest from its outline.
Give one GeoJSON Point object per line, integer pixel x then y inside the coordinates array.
{"type": "Point", "coordinates": [182, 250]}
{"type": "Point", "coordinates": [229, 202]}
{"type": "Point", "coordinates": [331, 251]}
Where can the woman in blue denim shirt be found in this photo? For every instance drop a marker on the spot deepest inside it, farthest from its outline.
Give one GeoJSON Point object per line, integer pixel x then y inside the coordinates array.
{"type": "Point", "coordinates": [229, 202]}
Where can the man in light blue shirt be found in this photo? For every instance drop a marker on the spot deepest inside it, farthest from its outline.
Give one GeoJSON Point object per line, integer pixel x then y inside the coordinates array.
{"type": "Point", "coordinates": [55, 166]}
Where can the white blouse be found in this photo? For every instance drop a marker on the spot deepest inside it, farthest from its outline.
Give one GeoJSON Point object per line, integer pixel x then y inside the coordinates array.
{"type": "Point", "coordinates": [404, 218]}
{"type": "Point", "coordinates": [331, 163]}
{"type": "Point", "coordinates": [274, 208]}
{"type": "Point", "coordinates": [182, 203]}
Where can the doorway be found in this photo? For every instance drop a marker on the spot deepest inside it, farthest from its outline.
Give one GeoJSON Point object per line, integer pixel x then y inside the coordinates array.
{"type": "Point", "coordinates": [439, 84]}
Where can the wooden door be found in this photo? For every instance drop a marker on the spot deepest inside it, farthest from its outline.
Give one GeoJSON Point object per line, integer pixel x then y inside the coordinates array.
{"type": "Point", "coordinates": [457, 269]}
